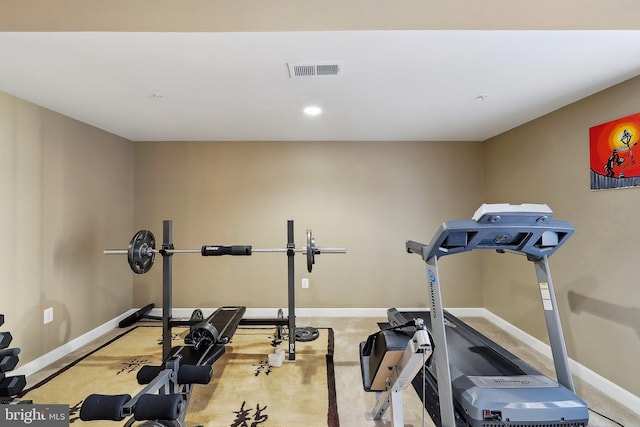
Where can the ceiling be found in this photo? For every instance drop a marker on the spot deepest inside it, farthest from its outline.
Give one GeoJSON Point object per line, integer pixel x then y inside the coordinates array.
{"type": "Point", "coordinates": [236, 86]}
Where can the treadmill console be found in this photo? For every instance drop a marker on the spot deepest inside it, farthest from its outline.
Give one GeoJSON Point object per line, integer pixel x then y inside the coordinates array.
{"type": "Point", "coordinates": [527, 229]}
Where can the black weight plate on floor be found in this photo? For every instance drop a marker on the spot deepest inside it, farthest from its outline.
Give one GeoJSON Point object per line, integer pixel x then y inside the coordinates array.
{"type": "Point", "coordinates": [306, 333]}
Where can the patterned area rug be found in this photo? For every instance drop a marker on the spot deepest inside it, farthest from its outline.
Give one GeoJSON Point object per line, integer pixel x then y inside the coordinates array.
{"type": "Point", "coordinates": [244, 391]}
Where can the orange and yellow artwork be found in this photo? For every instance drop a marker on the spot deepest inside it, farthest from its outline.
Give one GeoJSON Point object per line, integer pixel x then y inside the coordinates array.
{"type": "Point", "coordinates": [615, 153]}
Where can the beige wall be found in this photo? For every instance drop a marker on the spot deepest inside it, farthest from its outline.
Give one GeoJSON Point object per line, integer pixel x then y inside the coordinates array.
{"type": "Point", "coordinates": [547, 161]}
{"type": "Point", "coordinates": [369, 197]}
{"type": "Point", "coordinates": [65, 187]}
{"type": "Point", "coordinates": [295, 15]}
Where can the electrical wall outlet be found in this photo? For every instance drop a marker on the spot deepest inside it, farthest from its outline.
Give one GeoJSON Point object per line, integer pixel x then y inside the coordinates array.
{"type": "Point", "coordinates": [48, 315]}
{"type": "Point", "coordinates": [305, 283]}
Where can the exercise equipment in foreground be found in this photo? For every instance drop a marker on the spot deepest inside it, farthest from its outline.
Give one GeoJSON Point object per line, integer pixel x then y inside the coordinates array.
{"type": "Point", "coordinates": [164, 400]}
{"type": "Point", "coordinates": [141, 255]}
{"type": "Point", "coordinates": [470, 380]}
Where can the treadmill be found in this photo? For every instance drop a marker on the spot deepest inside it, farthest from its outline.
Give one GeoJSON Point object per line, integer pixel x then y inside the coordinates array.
{"type": "Point", "coordinates": [470, 380]}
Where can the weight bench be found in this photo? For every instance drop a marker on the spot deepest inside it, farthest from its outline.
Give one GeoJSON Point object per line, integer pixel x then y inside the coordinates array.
{"type": "Point", "coordinates": [165, 397]}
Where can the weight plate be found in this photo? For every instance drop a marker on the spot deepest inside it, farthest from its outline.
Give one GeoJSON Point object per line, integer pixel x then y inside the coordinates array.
{"type": "Point", "coordinates": [203, 335]}
{"type": "Point", "coordinates": [311, 251]}
{"type": "Point", "coordinates": [306, 333]}
{"type": "Point", "coordinates": [279, 328]}
{"type": "Point", "coordinates": [197, 314]}
{"type": "Point", "coordinates": [140, 253]}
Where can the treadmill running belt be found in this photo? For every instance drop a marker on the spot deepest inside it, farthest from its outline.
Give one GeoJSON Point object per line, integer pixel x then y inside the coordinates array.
{"type": "Point", "coordinates": [468, 353]}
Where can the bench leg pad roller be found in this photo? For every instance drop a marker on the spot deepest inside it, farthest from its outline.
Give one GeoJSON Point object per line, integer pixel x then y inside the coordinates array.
{"type": "Point", "coordinates": [192, 374]}
{"type": "Point", "coordinates": [103, 407]}
{"type": "Point", "coordinates": [158, 407]}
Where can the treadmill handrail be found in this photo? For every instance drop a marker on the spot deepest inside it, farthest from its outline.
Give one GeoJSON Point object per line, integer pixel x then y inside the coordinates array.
{"type": "Point", "coordinates": [527, 232]}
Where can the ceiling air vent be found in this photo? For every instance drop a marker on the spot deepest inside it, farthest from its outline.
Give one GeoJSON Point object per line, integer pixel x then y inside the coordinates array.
{"type": "Point", "coordinates": [313, 70]}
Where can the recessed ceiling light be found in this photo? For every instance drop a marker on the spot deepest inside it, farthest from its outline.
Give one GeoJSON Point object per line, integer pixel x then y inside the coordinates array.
{"type": "Point", "coordinates": [312, 110]}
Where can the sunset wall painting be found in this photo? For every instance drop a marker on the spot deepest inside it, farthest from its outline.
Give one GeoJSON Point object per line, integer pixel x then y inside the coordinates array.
{"type": "Point", "coordinates": [615, 154]}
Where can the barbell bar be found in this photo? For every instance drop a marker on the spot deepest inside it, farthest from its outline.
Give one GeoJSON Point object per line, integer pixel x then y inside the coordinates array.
{"type": "Point", "coordinates": [142, 251]}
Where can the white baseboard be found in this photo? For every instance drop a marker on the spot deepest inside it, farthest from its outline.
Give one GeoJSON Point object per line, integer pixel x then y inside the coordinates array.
{"type": "Point", "coordinates": [607, 387]}
{"type": "Point", "coordinates": [45, 360]}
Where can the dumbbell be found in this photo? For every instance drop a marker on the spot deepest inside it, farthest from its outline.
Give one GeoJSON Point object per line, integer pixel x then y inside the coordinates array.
{"type": "Point", "coordinates": [5, 339]}
{"type": "Point", "coordinates": [9, 359]}
{"type": "Point", "coordinates": [11, 386]}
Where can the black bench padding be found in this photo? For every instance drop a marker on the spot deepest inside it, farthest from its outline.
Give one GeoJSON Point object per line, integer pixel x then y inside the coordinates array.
{"type": "Point", "coordinates": [103, 407]}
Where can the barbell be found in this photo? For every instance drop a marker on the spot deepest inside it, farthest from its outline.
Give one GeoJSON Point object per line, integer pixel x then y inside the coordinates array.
{"type": "Point", "coordinates": [142, 251]}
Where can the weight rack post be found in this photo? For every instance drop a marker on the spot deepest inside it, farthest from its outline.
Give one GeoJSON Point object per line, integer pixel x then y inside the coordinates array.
{"type": "Point", "coordinates": [167, 294]}
{"type": "Point", "coordinates": [292, 287]}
